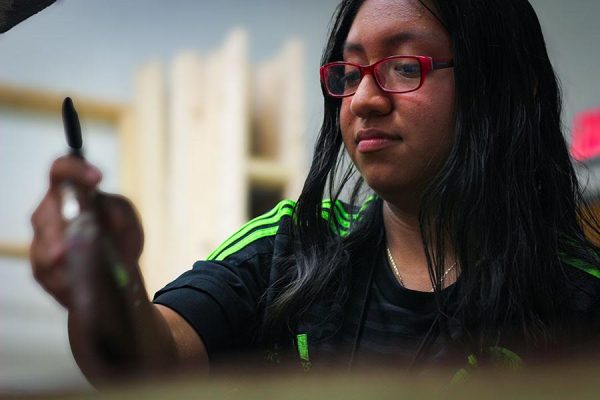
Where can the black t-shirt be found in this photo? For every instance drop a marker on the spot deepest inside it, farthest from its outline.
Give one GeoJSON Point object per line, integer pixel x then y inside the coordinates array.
{"type": "Point", "coordinates": [397, 329]}
{"type": "Point", "coordinates": [223, 300]}
{"type": "Point", "coordinates": [399, 325]}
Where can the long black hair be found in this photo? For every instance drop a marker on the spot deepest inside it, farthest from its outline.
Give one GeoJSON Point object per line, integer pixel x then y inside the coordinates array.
{"type": "Point", "coordinates": [507, 199]}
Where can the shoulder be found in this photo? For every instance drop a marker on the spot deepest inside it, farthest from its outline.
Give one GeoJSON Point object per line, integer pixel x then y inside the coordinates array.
{"type": "Point", "coordinates": [582, 274]}
{"type": "Point", "coordinates": [258, 235]}
{"type": "Point", "coordinates": [585, 269]}
{"type": "Point", "coordinates": [583, 281]}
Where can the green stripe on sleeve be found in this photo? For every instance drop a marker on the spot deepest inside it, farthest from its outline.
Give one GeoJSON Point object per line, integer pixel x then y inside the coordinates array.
{"type": "Point", "coordinates": [263, 225]}
{"type": "Point", "coordinates": [368, 201]}
{"type": "Point", "coordinates": [326, 215]}
{"type": "Point", "coordinates": [582, 265]}
{"type": "Point", "coordinates": [342, 217]}
{"type": "Point", "coordinates": [284, 207]}
{"type": "Point", "coordinates": [340, 212]}
{"type": "Point", "coordinates": [246, 241]}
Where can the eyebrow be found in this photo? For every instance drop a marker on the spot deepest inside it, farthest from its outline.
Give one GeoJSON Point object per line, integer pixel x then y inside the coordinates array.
{"type": "Point", "coordinates": [390, 41]}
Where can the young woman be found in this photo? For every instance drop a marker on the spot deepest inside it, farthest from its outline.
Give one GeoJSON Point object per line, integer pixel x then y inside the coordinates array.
{"type": "Point", "coordinates": [467, 241]}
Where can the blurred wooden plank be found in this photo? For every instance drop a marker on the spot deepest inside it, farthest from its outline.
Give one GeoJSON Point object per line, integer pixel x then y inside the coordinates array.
{"type": "Point", "coordinates": [590, 231]}
{"type": "Point", "coordinates": [230, 111]}
{"type": "Point", "coordinates": [278, 121]}
{"type": "Point", "coordinates": [16, 250]}
{"type": "Point", "coordinates": [128, 163]}
{"type": "Point", "coordinates": [267, 173]}
{"type": "Point", "coordinates": [43, 101]}
{"type": "Point", "coordinates": [186, 183]}
{"type": "Point", "coordinates": [147, 150]}
{"type": "Point", "coordinates": [266, 113]}
{"type": "Point", "coordinates": [291, 141]}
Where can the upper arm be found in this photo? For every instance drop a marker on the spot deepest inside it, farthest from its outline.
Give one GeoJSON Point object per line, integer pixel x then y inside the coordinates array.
{"type": "Point", "coordinates": [216, 306]}
{"type": "Point", "coordinates": [190, 349]}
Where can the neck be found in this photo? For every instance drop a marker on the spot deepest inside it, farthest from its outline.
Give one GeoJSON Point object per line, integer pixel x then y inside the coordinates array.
{"type": "Point", "coordinates": [403, 236]}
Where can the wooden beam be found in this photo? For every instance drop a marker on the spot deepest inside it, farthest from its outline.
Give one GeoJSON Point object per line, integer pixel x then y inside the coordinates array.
{"type": "Point", "coordinates": [16, 250]}
{"type": "Point", "coordinates": [266, 173]}
{"type": "Point", "coordinates": [42, 101]}
{"type": "Point", "coordinates": [149, 161]}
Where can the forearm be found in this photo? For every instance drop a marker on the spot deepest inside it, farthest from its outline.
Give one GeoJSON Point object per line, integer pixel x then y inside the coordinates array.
{"type": "Point", "coordinates": [117, 334]}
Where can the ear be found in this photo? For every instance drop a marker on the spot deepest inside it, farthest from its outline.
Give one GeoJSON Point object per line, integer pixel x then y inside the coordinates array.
{"type": "Point", "coordinates": [13, 12]}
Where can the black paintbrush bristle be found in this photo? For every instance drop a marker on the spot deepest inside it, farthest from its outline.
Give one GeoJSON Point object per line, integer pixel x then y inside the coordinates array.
{"type": "Point", "coordinates": [72, 127]}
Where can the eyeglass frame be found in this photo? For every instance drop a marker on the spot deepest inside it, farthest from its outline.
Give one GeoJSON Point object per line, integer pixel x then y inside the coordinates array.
{"type": "Point", "coordinates": [427, 64]}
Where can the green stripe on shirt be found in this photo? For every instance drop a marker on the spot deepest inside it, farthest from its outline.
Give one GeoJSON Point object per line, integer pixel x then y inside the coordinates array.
{"type": "Point", "coordinates": [282, 209]}
{"type": "Point", "coordinates": [264, 225]}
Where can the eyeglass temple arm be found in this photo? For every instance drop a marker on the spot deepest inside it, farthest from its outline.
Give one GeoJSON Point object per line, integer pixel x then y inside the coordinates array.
{"type": "Point", "coordinates": [441, 64]}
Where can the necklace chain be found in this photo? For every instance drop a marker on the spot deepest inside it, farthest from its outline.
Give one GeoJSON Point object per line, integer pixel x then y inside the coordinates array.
{"type": "Point", "coordinates": [397, 272]}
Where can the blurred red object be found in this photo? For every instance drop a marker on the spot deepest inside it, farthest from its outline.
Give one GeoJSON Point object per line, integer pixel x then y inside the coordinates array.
{"type": "Point", "coordinates": [585, 142]}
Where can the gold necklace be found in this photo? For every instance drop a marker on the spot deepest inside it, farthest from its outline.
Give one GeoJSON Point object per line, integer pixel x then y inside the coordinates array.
{"type": "Point", "coordinates": [397, 273]}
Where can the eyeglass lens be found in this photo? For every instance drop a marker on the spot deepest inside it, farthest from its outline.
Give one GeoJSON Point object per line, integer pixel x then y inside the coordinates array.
{"type": "Point", "coordinates": [396, 75]}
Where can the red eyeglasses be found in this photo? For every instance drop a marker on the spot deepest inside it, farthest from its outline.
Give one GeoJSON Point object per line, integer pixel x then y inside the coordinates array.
{"type": "Point", "coordinates": [395, 74]}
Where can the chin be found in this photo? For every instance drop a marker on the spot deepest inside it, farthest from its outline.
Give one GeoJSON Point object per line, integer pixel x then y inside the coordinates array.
{"type": "Point", "coordinates": [387, 185]}
{"type": "Point", "coordinates": [394, 188]}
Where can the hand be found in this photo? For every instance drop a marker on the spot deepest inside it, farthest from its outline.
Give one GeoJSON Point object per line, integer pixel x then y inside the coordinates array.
{"type": "Point", "coordinates": [48, 248]}
{"type": "Point", "coordinates": [114, 332]}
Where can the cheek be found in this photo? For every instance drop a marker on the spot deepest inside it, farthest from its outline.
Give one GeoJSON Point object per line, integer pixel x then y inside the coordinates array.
{"type": "Point", "coordinates": [448, 106]}
{"type": "Point", "coordinates": [435, 125]}
{"type": "Point", "coordinates": [436, 122]}
{"type": "Point", "coordinates": [346, 119]}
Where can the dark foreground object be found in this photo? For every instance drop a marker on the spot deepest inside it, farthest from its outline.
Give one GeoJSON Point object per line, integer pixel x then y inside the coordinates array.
{"type": "Point", "coordinates": [13, 12]}
{"type": "Point", "coordinates": [572, 381]}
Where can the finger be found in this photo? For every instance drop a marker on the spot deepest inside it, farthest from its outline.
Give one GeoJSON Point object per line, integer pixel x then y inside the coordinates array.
{"type": "Point", "coordinates": [48, 268]}
{"type": "Point", "coordinates": [48, 235]}
{"type": "Point", "coordinates": [48, 248]}
{"type": "Point", "coordinates": [75, 170]}
{"type": "Point", "coordinates": [47, 214]}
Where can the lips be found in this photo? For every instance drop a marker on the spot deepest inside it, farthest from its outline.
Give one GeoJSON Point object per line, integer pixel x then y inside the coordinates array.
{"type": "Point", "coordinates": [371, 140]}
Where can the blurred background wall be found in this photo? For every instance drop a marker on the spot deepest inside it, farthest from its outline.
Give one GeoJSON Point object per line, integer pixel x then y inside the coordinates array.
{"type": "Point", "coordinates": [97, 49]}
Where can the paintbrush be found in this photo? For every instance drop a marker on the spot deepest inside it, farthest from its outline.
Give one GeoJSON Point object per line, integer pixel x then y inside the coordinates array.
{"type": "Point", "coordinates": [100, 297]}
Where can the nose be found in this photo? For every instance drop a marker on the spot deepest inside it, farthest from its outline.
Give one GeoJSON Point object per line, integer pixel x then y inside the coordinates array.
{"type": "Point", "coordinates": [369, 99]}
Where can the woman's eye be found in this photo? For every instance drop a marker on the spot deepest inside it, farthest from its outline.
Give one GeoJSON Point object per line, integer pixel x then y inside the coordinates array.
{"type": "Point", "coordinates": [407, 70]}
{"type": "Point", "coordinates": [351, 78]}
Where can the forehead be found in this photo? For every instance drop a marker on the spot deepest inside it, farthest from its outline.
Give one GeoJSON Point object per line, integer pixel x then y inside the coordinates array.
{"type": "Point", "coordinates": [373, 11]}
{"type": "Point", "coordinates": [391, 22]}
